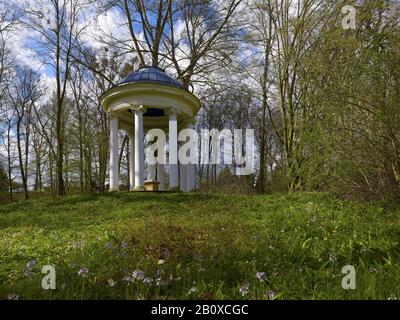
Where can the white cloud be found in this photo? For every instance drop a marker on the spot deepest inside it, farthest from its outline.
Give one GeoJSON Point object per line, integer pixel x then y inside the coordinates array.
{"type": "Point", "coordinates": [21, 51]}
{"type": "Point", "coordinates": [107, 23]}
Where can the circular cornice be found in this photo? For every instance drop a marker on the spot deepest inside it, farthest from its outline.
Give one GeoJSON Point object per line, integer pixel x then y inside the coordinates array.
{"type": "Point", "coordinates": [135, 90]}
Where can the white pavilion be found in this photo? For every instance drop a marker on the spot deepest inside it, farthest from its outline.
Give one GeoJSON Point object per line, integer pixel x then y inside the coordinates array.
{"type": "Point", "coordinates": [150, 99]}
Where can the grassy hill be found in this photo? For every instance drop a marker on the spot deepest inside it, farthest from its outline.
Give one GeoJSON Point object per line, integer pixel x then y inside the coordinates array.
{"type": "Point", "coordinates": [189, 246]}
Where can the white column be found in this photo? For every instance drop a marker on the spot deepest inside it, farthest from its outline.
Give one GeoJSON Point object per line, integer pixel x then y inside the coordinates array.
{"type": "Point", "coordinates": [191, 177]}
{"type": "Point", "coordinates": [173, 152]}
{"type": "Point", "coordinates": [183, 177]}
{"type": "Point", "coordinates": [114, 178]}
{"type": "Point", "coordinates": [139, 150]}
{"type": "Point", "coordinates": [160, 176]}
{"type": "Point", "coordinates": [131, 163]}
{"type": "Point", "coordinates": [191, 173]}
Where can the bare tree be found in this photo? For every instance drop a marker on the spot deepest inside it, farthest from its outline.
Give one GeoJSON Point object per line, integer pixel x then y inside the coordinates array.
{"type": "Point", "coordinates": [7, 22]}
{"type": "Point", "coordinates": [206, 41]}
{"type": "Point", "coordinates": [260, 35]}
{"type": "Point", "coordinates": [202, 46]}
{"type": "Point", "coordinates": [56, 36]}
{"type": "Point", "coordinates": [283, 32]}
{"type": "Point", "coordinates": [23, 92]}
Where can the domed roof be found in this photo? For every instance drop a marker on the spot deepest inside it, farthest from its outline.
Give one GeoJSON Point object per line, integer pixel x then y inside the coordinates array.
{"type": "Point", "coordinates": [152, 74]}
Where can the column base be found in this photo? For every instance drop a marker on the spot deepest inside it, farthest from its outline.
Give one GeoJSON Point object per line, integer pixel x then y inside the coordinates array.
{"type": "Point", "coordinates": [113, 190]}
{"type": "Point", "coordinates": [139, 188]}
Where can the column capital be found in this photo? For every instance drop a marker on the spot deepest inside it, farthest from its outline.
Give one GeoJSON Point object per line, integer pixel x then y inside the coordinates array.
{"type": "Point", "coordinates": [138, 108]}
{"type": "Point", "coordinates": [111, 115]}
{"type": "Point", "coordinates": [172, 111]}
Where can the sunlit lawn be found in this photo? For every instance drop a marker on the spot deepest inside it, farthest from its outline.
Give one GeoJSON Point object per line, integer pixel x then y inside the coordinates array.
{"type": "Point", "coordinates": [193, 246]}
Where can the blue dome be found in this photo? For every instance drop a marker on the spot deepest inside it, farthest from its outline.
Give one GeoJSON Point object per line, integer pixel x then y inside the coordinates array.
{"type": "Point", "coordinates": [152, 74]}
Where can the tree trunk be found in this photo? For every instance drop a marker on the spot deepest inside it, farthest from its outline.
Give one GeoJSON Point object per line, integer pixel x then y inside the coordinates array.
{"type": "Point", "coordinates": [10, 187]}
{"type": "Point", "coordinates": [59, 118]}
{"type": "Point", "coordinates": [81, 170]}
{"type": "Point", "coordinates": [21, 161]}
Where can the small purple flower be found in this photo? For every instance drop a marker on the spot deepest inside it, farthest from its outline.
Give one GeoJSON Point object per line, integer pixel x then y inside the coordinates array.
{"type": "Point", "coordinates": [79, 244]}
{"type": "Point", "coordinates": [137, 274]}
{"type": "Point", "coordinates": [31, 264]}
{"type": "Point", "coordinates": [244, 289]}
{"type": "Point", "coordinates": [256, 237]}
{"type": "Point", "coordinates": [124, 245]}
{"type": "Point", "coordinates": [28, 268]}
{"type": "Point", "coordinates": [312, 219]}
{"type": "Point", "coordinates": [27, 273]}
{"type": "Point", "coordinates": [198, 257]}
{"type": "Point", "coordinates": [148, 281]}
{"type": "Point", "coordinates": [270, 294]}
{"type": "Point", "coordinates": [192, 290]}
{"type": "Point", "coordinates": [109, 245]}
{"type": "Point", "coordinates": [111, 283]}
{"type": "Point", "coordinates": [127, 279]}
{"type": "Point", "coordinates": [13, 296]}
{"type": "Point", "coordinates": [83, 272]}
{"type": "Point", "coordinates": [261, 276]}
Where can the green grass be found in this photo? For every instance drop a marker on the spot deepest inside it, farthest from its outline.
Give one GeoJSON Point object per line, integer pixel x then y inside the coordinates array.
{"type": "Point", "coordinates": [194, 246]}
